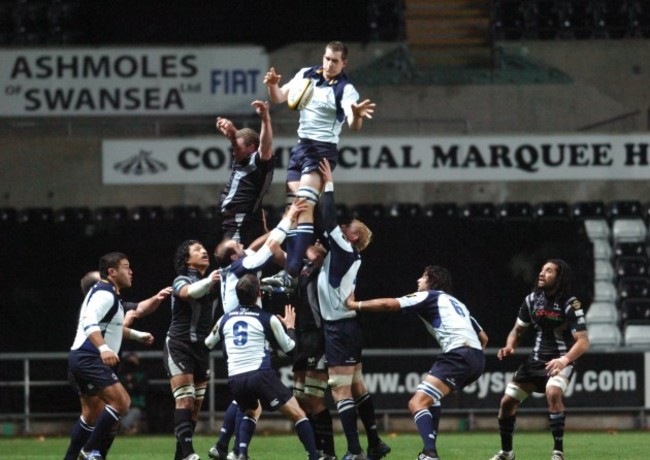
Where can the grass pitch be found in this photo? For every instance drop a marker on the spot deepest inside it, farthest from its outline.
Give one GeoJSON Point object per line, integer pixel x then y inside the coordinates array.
{"type": "Point", "coordinates": [451, 446]}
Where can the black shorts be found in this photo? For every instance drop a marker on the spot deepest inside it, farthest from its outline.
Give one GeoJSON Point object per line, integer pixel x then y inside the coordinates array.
{"type": "Point", "coordinates": [87, 373]}
{"type": "Point", "coordinates": [309, 352]}
{"type": "Point", "coordinates": [306, 155]}
{"type": "Point", "coordinates": [243, 227]}
{"type": "Point", "coordinates": [262, 385]}
{"type": "Point", "coordinates": [343, 342]}
{"type": "Point", "coordinates": [459, 367]}
{"type": "Point", "coordinates": [533, 372]}
{"type": "Point", "coordinates": [180, 357]}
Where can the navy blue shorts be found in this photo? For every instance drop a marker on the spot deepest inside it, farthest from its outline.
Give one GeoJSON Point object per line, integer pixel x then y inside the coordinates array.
{"type": "Point", "coordinates": [306, 155]}
{"type": "Point", "coordinates": [459, 367]}
{"type": "Point", "coordinates": [88, 374]}
{"type": "Point", "coordinates": [263, 385]}
{"type": "Point", "coordinates": [180, 357]}
{"type": "Point", "coordinates": [309, 351]}
{"type": "Point", "coordinates": [343, 342]}
{"type": "Point", "coordinates": [243, 227]}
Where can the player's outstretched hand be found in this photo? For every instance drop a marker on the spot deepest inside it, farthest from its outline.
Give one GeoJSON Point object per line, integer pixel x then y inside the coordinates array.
{"type": "Point", "coordinates": [299, 205]}
{"type": "Point", "coordinates": [505, 351]}
{"type": "Point", "coordinates": [289, 318]}
{"type": "Point", "coordinates": [262, 108]}
{"type": "Point", "coordinates": [325, 170]}
{"type": "Point", "coordinates": [226, 127]}
{"type": "Point", "coordinates": [364, 109]}
{"type": "Point", "coordinates": [271, 78]}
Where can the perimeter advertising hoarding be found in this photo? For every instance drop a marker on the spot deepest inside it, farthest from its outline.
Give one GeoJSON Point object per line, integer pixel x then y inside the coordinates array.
{"type": "Point", "coordinates": [131, 81]}
{"type": "Point", "coordinates": [601, 380]}
{"type": "Point", "coordinates": [395, 159]}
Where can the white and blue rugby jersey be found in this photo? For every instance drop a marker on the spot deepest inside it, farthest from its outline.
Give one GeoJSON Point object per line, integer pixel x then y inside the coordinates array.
{"type": "Point", "coordinates": [318, 119]}
{"type": "Point", "coordinates": [445, 317]}
{"type": "Point", "coordinates": [247, 334]}
{"type": "Point", "coordinates": [338, 276]}
{"type": "Point", "coordinates": [101, 310]}
{"type": "Point", "coordinates": [253, 262]}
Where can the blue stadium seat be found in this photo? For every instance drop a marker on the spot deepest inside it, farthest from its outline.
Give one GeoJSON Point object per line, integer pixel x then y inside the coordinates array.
{"type": "Point", "coordinates": [636, 334]}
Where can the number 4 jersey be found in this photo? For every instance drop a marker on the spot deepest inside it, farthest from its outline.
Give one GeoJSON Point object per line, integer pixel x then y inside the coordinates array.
{"type": "Point", "coordinates": [445, 317]}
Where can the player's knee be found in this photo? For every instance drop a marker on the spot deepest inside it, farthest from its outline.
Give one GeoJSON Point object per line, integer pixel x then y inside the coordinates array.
{"type": "Point", "coordinates": [309, 194]}
{"type": "Point", "coordinates": [338, 381]}
{"type": "Point", "coordinates": [513, 396]}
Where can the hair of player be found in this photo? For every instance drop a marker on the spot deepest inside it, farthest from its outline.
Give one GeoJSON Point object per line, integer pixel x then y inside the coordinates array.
{"type": "Point", "coordinates": [181, 255]}
{"type": "Point", "coordinates": [562, 279]}
{"type": "Point", "coordinates": [89, 280]}
{"type": "Point", "coordinates": [223, 252]}
{"type": "Point", "coordinates": [337, 46]}
{"type": "Point", "coordinates": [110, 260]}
{"type": "Point", "coordinates": [249, 136]}
{"type": "Point", "coordinates": [364, 234]}
{"type": "Point", "coordinates": [439, 278]}
{"type": "Point", "coordinates": [248, 289]}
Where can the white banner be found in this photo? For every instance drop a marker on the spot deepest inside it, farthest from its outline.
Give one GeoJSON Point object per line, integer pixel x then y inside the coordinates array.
{"type": "Point", "coordinates": [397, 159]}
{"type": "Point", "coordinates": [131, 81]}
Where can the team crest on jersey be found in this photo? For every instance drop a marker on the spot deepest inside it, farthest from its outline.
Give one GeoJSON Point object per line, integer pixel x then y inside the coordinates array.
{"type": "Point", "coordinates": [576, 305]}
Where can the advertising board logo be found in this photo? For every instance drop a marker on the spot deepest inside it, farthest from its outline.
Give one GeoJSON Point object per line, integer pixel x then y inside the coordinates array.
{"type": "Point", "coordinates": [140, 164]}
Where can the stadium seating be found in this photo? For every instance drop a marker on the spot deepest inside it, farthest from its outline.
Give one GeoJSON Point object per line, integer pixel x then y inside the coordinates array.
{"type": "Point", "coordinates": [476, 211]}
{"type": "Point", "coordinates": [368, 211]}
{"type": "Point", "coordinates": [633, 288]}
{"type": "Point", "coordinates": [629, 230]}
{"type": "Point", "coordinates": [605, 291]}
{"type": "Point", "coordinates": [625, 208]}
{"type": "Point", "coordinates": [184, 212]}
{"type": "Point", "coordinates": [588, 210]}
{"type": "Point", "coordinates": [73, 214]}
{"type": "Point", "coordinates": [637, 335]}
{"type": "Point", "coordinates": [35, 215]}
{"type": "Point", "coordinates": [635, 310]}
{"type": "Point", "coordinates": [110, 213]}
{"type": "Point", "coordinates": [552, 210]}
{"type": "Point", "coordinates": [438, 210]}
{"type": "Point", "coordinates": [8, 215]}
{"type": "Point", "coordinates": [405, 210]}
{"type": "Point", "coordinates": [602, 312]}
{"type": "Point", "coordinates": [603, 270]}
{"type": "Point", "coordinates": [602, 249]}
{"type": "Point", "coordinates": [630, 249]}
{"type": "Point", "coordinates": [604, 335]}
{"type": "Point", "coordinates": [597, 228]}
{"type": "Point", "coordinates": [515, 210]}
{"type": "Point", "coordinates": [147, 213]}
{"type": "Point", "coordinates": [631, 266]}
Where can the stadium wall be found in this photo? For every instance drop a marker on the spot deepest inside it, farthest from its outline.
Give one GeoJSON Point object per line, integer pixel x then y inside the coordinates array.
{"type": "Point", "coordinates": [609, 91]}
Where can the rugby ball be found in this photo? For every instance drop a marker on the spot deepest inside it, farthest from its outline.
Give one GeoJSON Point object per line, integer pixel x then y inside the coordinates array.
{"type": "Point", "coordinates": [300, 93]}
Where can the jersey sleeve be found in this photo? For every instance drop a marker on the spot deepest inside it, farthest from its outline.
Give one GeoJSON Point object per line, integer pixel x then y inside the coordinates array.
{"type": "Point", "coordinates": [575, 315]}
{"type": "Point", "coordinates": [178, 284]}
{"type": "Point", "coordinates": [285, 342]}
{"type": "Point", "coordinates": [328, 212]}
{"type": "Point", "coordinates": [258, 259]}
{"type": "Point", "coordinates": [350, 96]}
{"type": "Point", "coordinates": [475, 325]}
{"type": "Point", "coordinates": [98, 306]}
{"type": "Point", "coordinates": [412, 300]}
